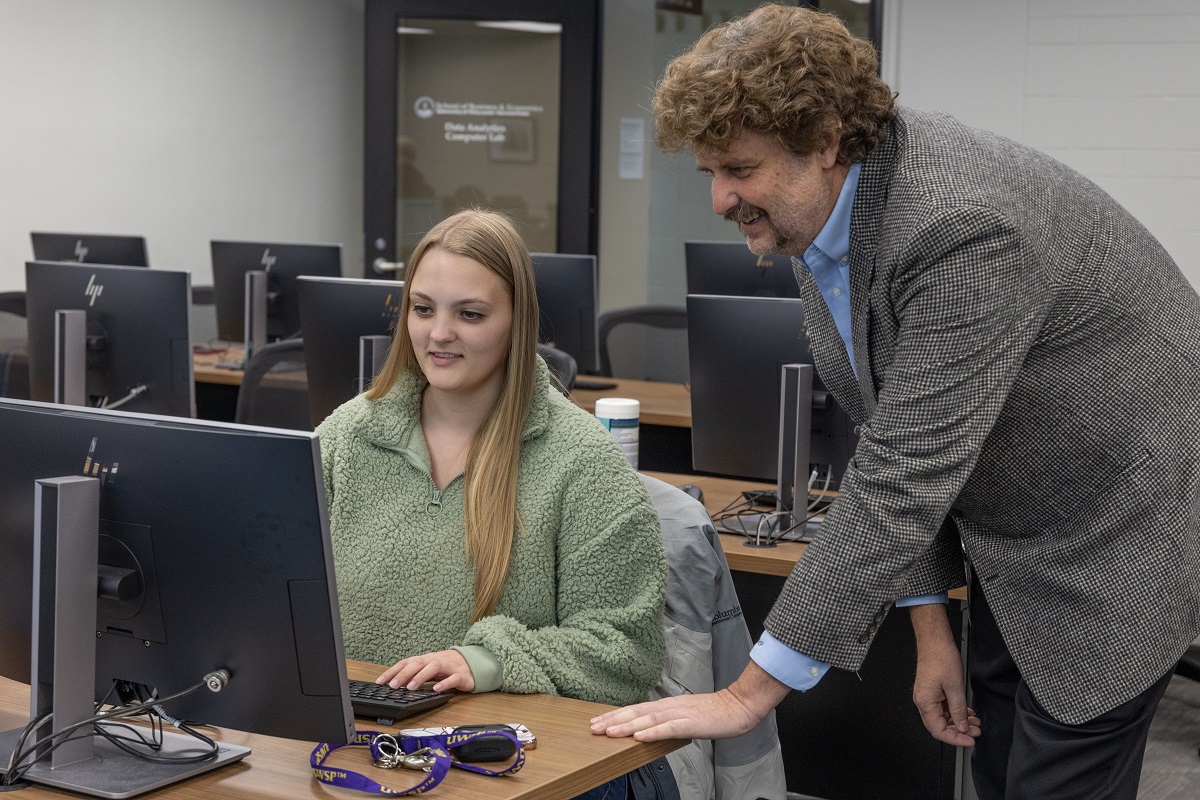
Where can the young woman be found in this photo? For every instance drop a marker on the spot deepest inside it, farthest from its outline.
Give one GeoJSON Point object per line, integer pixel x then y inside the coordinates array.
{"type": "Point", "coordinates": [487, 533]}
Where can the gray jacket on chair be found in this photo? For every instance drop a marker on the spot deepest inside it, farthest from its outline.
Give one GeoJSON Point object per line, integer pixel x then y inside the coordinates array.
{"type": "Point", "coordinates": [1028, 377]}
{"type": "Point", "coordinates": [708, 646]}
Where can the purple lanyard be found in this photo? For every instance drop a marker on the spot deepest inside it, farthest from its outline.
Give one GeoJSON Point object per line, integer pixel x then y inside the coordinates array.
{"type": "Point", "coordinates": [427, 753]}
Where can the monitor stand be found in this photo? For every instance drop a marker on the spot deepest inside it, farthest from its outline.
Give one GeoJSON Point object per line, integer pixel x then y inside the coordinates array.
{"type": "Point", "coordinates": [70, 357]}
{"type": "Point", "coordinates": [255, 313]}
{"type": "Point", "coordinates": [63, 663]}
{"type": "Point", "coordinates": [795, 424]}
{"type": "Point", "coordinates": [372, 354]}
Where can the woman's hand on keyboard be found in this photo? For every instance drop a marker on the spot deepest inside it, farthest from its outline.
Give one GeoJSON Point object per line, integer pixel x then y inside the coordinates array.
{"type": "Point", "coordinates": [447, 667]}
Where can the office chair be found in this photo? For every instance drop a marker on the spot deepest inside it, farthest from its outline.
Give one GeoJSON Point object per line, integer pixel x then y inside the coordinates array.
{"type": "Point", "coordinates": [274, 389]}
{"type": "Point", "coordinates": [644, 342]}
{"type": "Point", "coordinates": [563, 368]}
{"type": "Point", "coordinates": [202, 317]}
{"type": "Point", "coordinates": [708, 646]}
{"type": "Point", "coordinates": [14, 355]}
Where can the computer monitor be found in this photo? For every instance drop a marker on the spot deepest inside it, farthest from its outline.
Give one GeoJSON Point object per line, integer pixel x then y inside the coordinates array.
{"type": "Point", "coordinates": [90, 248]}
{"type": "Point", "coordinates": [283, 263]}
{"type": "Point", "coordinates": [737, 347]}
{"type": "Point", "coordinates": [566, 292]}
{"type": "Point", "coordinates": [335, 313]}
{"type": "Point", "coordinates": [226, 529]}
{"type": "Point", "coordinates": [136, 335]}
{"type": "Point", "coordinates": [729, 268]}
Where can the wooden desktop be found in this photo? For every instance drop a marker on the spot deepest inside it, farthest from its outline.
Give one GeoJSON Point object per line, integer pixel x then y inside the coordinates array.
{"type": "Point", "coordinates": [567, 760]}
{"type": "Point", "coordinates": [205, 369]}
{"type": "Point", "coordinates": [667, 404]}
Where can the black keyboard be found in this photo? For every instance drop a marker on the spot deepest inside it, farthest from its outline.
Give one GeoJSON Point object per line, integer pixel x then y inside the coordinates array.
{"type": "Point", "coordinates": [381, 701]}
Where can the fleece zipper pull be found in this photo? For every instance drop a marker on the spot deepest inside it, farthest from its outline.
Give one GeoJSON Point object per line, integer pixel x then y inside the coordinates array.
{"type": "Point", "coordinates": [434, 506]}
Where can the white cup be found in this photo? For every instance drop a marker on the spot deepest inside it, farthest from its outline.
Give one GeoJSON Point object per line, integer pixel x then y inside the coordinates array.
{"type": "Point", "coordinates": [620, 417]}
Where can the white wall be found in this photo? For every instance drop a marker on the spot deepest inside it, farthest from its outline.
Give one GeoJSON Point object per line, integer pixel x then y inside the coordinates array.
{"type": "Point", "coordinates": [681, 197]}
{"type": "Point", "coordinates": [624, 228]}
{"type": "Point", "coordinates": [182, 121]}
{"type": "Point", "coordinates": [1109, 87]}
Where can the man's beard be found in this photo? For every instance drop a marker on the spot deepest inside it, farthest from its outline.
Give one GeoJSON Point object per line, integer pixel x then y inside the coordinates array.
{"type": "Point", "coordinates": [744, 212]}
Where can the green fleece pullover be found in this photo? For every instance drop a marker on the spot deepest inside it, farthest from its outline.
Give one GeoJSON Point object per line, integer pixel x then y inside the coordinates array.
{"type": "Point", "coordinates": [581, 611]}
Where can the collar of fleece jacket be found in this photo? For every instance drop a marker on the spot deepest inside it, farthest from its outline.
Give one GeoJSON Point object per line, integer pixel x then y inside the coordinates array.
{"type": "Point", "coordinates": [388, 421]}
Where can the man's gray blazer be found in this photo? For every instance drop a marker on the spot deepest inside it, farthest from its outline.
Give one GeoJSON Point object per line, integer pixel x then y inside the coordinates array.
{"type": "Point", "coordinates": [1029, 378]}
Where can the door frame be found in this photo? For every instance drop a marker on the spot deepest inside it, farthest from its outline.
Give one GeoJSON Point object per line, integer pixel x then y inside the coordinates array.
{"type": "Point", "coordinates": [579, 110]}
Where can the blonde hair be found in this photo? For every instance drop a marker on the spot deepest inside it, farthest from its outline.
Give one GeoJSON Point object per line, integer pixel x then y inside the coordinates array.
{"type": "Point", "coordinates": [788, 72]}
{"type": "Point", "coordinates": [490, 480]}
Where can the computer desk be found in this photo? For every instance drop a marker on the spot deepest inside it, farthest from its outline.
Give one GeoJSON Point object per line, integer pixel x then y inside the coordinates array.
{"type": "Point", "coordinates": [778, 560]}
{"type": "Point", "coordinates": [217, 387]}
{"type": "Point", "coordinates": [663, 405]}
{"type": "Point", "coordinates": [667, 404]}
{"type": "Point", "coordinates": [665, 419]}
{"type": "Point", "coordinates": [567, 760]}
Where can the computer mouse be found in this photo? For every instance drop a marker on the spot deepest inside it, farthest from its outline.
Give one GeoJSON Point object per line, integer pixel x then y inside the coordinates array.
{"type": "Point", "coordinates": [694, 491]}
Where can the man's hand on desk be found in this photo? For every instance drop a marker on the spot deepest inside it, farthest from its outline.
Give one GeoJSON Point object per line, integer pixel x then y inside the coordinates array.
{"type": "Point", "coordinates": [938, 691]}
{"type": "Point", "coordinates": [720, 715]}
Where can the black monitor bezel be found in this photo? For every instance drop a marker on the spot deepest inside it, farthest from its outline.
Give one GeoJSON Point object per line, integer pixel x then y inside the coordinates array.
{"type": "Point", "coordinates": [736, 349]}
{"type": "Point", "coordinates": [144, 318]}
{"type": "Point", "coordinates": [334, 314]}
{"type": "Point", "coordinates": [224, 590]}
{"type": "Point", "coordinates": [99, 248]}
{"type": "Point", "coordinates": [231, 260]}
{"type": "Point", "coordinates": [566, 286]}
{"type": "Point", "coordinates": [730, 268]}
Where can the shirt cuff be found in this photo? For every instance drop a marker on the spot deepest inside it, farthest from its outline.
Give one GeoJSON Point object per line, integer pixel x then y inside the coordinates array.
{"type": "Point", "coordinates": [786, 665]}
{"type": "Point", "coordinates": [923, 600]}
{"type": "Point", "coordinates": [485, 667]}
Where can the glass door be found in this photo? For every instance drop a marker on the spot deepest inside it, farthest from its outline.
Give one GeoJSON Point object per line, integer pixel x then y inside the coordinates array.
{"type": "Point", "coordinates": [489, 104]}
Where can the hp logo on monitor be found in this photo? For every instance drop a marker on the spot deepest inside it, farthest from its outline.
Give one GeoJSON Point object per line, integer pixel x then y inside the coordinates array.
{"type": "Point", "coordinates": [93, 290]}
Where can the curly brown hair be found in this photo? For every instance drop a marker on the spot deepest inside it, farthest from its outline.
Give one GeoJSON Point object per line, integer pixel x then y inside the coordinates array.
{"type": "Point", "coordinates": [791, 73]}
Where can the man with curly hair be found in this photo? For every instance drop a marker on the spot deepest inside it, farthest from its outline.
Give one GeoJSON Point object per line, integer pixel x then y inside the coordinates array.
{"type": "Point", "coordinates": [1023, 360]}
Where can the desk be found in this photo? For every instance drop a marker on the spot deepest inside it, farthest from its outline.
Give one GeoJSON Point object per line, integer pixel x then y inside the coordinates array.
{"type": "Point", "coordinates": [854, 735]}
{"type": "Point", "coordinates": [217, 387]}
{"type": "Point", "coordinates": [667, 404]}
{"type": "Point", "coordinates": [665, 438]}
{"type": "Point", "coordinates": [778, 560]}
{"type": "Point", "coordinates": [568, 759]}
{"type": "Point", "coordinates": [204, 369]}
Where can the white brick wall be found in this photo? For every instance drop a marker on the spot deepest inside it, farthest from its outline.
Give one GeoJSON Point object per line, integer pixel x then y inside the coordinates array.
{"type": "Point", "coordinates": [181, 122]}
{"type": "Point", "coordinates": [1107, 86]}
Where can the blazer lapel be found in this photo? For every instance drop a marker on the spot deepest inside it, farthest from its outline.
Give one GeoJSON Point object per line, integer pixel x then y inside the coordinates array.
{"type": "Point", "coordinates": [829, 352]}
{"type": "Point", "coordinates": [870, 199]}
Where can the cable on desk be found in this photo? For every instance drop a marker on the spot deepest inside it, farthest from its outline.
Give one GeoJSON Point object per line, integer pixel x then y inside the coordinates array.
{"type": "Point", "coordinates": [768, 530]}
{"type": "Point", "coordinates": [134, 392]}
{"type": "Point", "coordinates": [102, 725]}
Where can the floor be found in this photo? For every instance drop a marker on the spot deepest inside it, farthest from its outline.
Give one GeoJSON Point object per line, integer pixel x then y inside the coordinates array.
{"type": "Point", "coordinates": [1171, 770]}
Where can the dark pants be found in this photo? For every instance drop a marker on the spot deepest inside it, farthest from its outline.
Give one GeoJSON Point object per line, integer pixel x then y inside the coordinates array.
{"type": "Point", "coordinates": [654, 781]}
{"type": "Point", "coordinates": [1024, 753]}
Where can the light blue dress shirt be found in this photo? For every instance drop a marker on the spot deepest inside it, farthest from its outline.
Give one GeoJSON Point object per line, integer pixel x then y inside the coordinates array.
{"type": "Point", "coordinates": [828, 260]}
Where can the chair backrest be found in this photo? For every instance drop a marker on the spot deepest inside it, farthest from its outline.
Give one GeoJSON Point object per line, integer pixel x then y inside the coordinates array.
{"type": "Point", "coordinates": [274, 389]}
{"type": "Point", "coordinates": [563, 368]}
{"type": "Point", "coordinates": [644, 342]}
{"type": "Point", "coordinates": [708, 646]}
{"type": "Point", "coordinates": [14, 353]}
{"type": "Point", "coordinates": [202, 320]}
{"type": "Point", "coordinates": [12, 303]}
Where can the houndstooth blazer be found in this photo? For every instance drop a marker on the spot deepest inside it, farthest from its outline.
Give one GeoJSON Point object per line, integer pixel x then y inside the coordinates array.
{"type": "Point", "coordinates": [1028, 382]}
